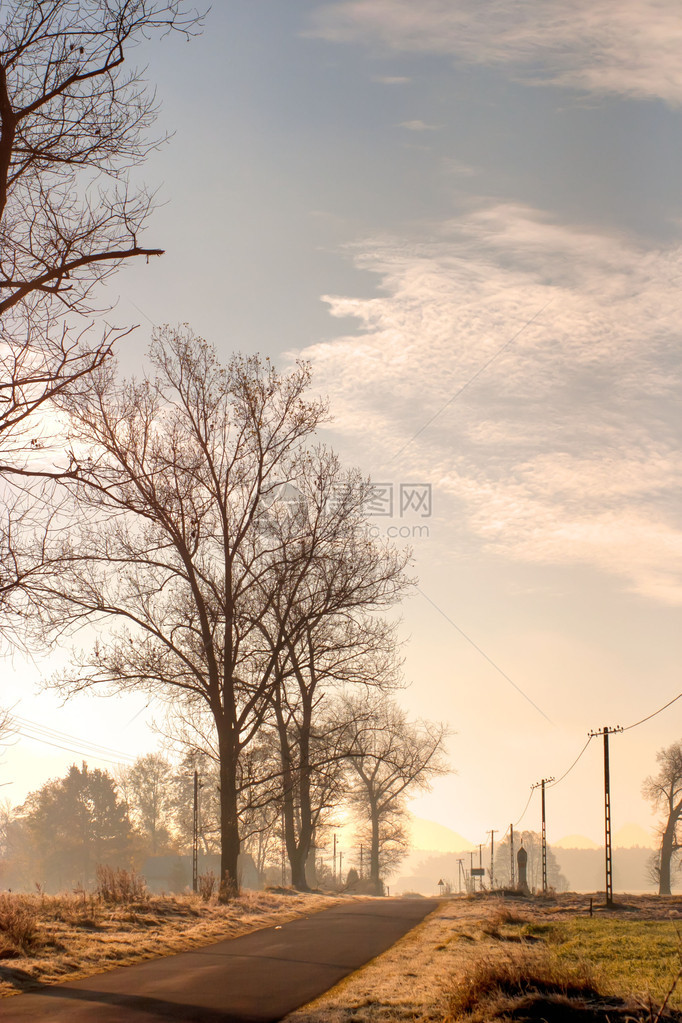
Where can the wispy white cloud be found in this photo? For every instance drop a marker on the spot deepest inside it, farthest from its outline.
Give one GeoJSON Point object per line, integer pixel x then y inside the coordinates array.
{"type": "Point", "coordinates": [419, 126]}
{"type": "Point", "coordinates": [392, 79]}
{"type": "Point", "coordinates": [630, 48]}
{"type": "Point", "coordinates": [567, 447]}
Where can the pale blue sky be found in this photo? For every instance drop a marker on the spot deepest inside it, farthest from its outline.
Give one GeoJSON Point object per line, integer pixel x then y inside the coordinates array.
{"type": "Point", "coordinates": [435, 176]}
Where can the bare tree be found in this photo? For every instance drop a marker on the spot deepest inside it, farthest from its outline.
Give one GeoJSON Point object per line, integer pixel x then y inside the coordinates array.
{"type": "Point", "coordinates": [664, 790]}
{"type": "Point", "coordinates": [190, 730]}
{"type": "Point", "coordinates": [172, 473]}
{"type": "Point", "coordinates": [330, 579]}
{"type": "Point", "coordinates": [146, 787]}
{"type": "Point", "coordinates": [391, 757]}
{"type": "Point", "coordinates": [74, 121]}
{"type": "Point", "coordinates": [208, 772]}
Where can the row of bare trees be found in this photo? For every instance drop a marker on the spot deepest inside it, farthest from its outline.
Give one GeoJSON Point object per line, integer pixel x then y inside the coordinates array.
{"type": "Point", "coordinates": [224, 563]}
{"type": "Point", "coordinates": [186, 519]}
{"type": "Point", "coordinates": [65, 829]}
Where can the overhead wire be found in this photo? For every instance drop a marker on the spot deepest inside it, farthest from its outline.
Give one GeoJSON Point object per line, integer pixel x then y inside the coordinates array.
{"type": "Point", "coordinates": [566, 773]}
{"type": "Point", "coordinates": [553, 784]}
{"type": "Point", "coordinates": [485, 655]}
{"type": "Point", "coordinates": [650, 716]}
{"type": "Point", "coordinates": [525, 808]}
{"type": "Point", "coordinates": [69, 743]}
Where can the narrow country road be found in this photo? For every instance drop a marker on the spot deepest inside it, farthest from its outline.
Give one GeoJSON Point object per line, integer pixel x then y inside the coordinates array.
{"type": "Point", "coordinates": [256, 978]}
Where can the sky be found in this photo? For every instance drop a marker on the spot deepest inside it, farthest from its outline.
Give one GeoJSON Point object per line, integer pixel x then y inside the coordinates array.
{"type": "Point", "coordinates": [466, 214]}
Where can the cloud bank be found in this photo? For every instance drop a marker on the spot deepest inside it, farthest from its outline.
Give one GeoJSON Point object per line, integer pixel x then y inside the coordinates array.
{"type": "Point", "coordinates": [630, 48]}
{"type": "Point", "coordinates": [546, 362]}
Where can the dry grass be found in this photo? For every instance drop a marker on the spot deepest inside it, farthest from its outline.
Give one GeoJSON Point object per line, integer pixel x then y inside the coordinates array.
{"type": "Point", "coordinates": [52, 938]}
{"type": "Point", "coordinates": [512, 987]}
{"type": "Point", "coordinates": [489, 959]}
{"type": "Point", "coordinates": [532, 987]}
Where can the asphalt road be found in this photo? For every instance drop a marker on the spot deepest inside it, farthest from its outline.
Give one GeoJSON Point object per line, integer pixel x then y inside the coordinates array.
{"type": "Point", "coordinates": [257, 978]}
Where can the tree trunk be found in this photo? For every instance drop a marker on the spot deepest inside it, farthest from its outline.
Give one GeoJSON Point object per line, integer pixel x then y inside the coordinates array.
{"type": "Point", "coordinates": [374, 853]}
{"type": "Point", "coordinates": [311, 865]}
{"type": "Point", "coordinates": [289, 809]}
{"type": "Point", "coordinates": [298, 875]}
{"type": "Point", "coordinates": [305, 830]}
{"type": "Point", "coordinates": [296, 783]}
{"type": "Point", "coordinates": [667, 850]}
{"type": "Point", "coordinates": [229, 822]}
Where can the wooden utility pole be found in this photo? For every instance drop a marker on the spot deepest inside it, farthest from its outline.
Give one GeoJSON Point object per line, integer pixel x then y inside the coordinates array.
{"type": "Point", "coordinates": [606, 731]}
{"type": "Point", "coordinates": [541, 784]}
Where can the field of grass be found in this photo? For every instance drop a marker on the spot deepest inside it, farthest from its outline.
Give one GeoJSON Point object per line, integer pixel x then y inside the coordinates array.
{"type": "Point", "coordinates": [637, 957]}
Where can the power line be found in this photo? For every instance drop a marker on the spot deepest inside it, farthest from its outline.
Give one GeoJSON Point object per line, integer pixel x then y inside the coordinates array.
{"type": "Point", "coordinates": [484, 654]}
{"type": "Point", "coordinates": [554, 783]}
{"type": "Point", "coordinates": [650, 716]}
{"type": "Point", "coordinates": [69, 743]}
{"type": "Point", "coordinates": [70, 749]}
{"type": "Point", "coordinates": [55, 733]}
{"type": "Point", "coordinates": [516, 823]}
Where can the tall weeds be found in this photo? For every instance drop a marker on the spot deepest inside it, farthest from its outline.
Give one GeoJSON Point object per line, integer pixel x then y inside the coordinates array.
{"type": "Point", "coordinates": [18, 924]}
{"type": "Point", "coordinates": [120, 886]}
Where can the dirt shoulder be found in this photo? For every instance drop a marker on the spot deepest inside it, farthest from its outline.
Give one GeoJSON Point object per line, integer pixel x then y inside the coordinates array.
{"type": "Point", "coordinates": [49, 939]}
{"type": "Point", "coordinates": [414, 979]}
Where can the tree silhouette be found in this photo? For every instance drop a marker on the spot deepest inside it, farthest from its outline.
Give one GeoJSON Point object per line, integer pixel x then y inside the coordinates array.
{"type": "Point", "coordinates": [664, 790]}
{"type": "Point", "coordinates": [74, 824]}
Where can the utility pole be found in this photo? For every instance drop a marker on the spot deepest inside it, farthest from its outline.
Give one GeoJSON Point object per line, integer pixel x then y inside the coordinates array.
{"type": "Point", "coordinates": [480, 864]}
{"type": "Point", "coordinates": [541, 784]}
{"type": "Point", "coordinates": [606, 731]}
{"type": "Point", "coordinates": [471, 870]}
{"type": "Point", "coordinates": [195, 835]}
{"type": "Point", "coordinates": [511, 851]}
{"type": "Point", "coordinates": [340, 867]}
{"type": "Point", "coordinates": [460, 871]}
{"type": "Point", "coordinates": [361, 862]}
{"type": "Point", "coordinates": [492, 857]}
{"type": "Point", "coordinates": [334, 858]}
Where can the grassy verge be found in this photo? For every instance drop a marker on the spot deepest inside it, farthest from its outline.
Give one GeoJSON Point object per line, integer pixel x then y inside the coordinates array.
{"type": "Point", "coordinates": [483, 959]}
{"type": "Point", "coordinates": [636, 957]}
{"type": "Point", "coordinates": [51, 938]}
